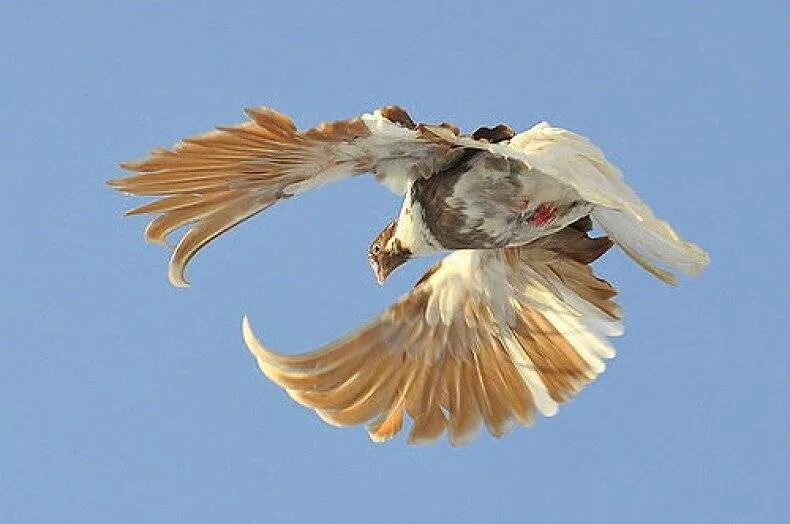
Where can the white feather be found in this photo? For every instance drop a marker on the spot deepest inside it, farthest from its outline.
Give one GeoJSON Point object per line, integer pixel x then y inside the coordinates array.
{"type": "Point", "coordinates": [645, 235]}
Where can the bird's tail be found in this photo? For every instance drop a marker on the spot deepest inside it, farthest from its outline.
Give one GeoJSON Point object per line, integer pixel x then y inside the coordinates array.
{"type": "Point", "coordinates": [652, 243]}
{"type": "Point", "coordinates": [575, 161]}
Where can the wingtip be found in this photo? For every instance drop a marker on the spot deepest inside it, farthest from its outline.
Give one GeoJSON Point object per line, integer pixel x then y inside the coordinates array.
{"type": "Point", "coordinates": [254, 345]}
{"type": "Point", "coordinates": [118, 184]}
{"type": "Point", "coordinates": [702, 260]}
{"type": "Point", "coordinates": [245, 326]}
{"type": "Point", "coordinates": [251, 111]}
{"type": "Point", "coordinates": [380, 437]}
{"type": "Point", "coordinates": [133, 165]}
{"type": "Point", "coordinates": [250, 340]}
{"type": "Point", "coordinates": [264, 358]}
{"type": "Point", "coordinates": [247, 110]}
{"type": "Point", "coordinates": [177, 278]}
{"type": "Point", "coordinates": [549, 409]}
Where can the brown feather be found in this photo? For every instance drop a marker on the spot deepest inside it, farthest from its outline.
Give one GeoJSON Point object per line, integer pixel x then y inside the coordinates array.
{"type": "Point", "coordinates": [429, 419]}
{"type": "Point", "coordinates": [515, 393]}
{"type": "Point", "coordinates": [488, 384]}
{"type": "Point", "coordinates": [170, 220]}
{"type": "Point", "coordinates": [379, 389]}
{"type": "Point", "coordinates": [356, 387]}
{"type": "Point", "coordinates": [360, 341]}
{"type": "Point", "coordinates": [271, 119]}
{"type": "Point", "coordinates": [329, 378]}
{"type": "Point", "coordinates": [165, 204]}
{"type": "Point", "coordinates": [210, 227]}
{"type": "Point", "coordinates": [391, 421]}
{"type": "Point", "coordinates": [558, 371]}
{"type": "Point", "coordinates": [398, 115]}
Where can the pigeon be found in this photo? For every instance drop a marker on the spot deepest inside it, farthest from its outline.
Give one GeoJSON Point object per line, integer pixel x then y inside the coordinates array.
{"type": "Point", "coordinates": [510, 323]}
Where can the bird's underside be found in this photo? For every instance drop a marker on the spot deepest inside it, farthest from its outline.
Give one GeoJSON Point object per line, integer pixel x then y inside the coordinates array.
{"type": "Point", "coordinates": [484, 201]}
{"type": "Point", "coordinates": [511, 322]}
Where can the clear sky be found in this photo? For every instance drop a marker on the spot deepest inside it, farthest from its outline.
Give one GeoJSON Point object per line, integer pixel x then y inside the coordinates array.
{"type": "Point", "coordinates": [123, 399]}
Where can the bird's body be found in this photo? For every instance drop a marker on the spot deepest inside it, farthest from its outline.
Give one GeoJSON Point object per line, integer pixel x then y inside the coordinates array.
{"type": "Point", "coordinates": [512, 320]}
{"type": "Point", "coordinates": [483, 201]}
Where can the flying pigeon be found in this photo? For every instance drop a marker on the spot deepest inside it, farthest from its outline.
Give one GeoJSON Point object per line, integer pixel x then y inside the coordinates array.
{"type": "Point", "coordinates": [511, 322]}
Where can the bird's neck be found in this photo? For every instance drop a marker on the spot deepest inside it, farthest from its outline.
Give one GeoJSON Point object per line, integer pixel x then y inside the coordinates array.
{"type": "Point", "coordinates": [412, 231]}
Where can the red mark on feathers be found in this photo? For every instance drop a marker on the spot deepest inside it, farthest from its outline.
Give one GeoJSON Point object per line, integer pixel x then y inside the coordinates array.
{"type": "Point", "coordinates": [543, 214]}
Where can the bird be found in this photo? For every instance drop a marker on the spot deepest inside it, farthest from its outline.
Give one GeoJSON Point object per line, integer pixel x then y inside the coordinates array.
{"type": "Point", "coordinates": [511, 323]}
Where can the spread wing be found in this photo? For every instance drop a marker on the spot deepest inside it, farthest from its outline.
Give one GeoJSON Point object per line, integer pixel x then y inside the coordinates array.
{"type": "Point", "coordinates": [574, 161]}
{"type": "Point", "coordinates": [214, 181]}
{"type": "Point", "coordinates": [486, 337]}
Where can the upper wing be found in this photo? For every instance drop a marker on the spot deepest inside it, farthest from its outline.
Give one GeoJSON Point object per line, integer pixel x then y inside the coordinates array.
{"type": "Point", "coordinates": [574, 161]}
{"type": "Point", "coordinates": [213, 181]}
{"type": "Point", "coordinates": [484, 337]}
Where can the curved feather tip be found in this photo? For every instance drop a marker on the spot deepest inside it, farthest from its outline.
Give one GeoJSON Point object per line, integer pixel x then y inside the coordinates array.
{"type": "Point", "coordinates": [253, 344]}
{"type": "Point", "coordinates": [267, 359]}
{"type": "Point", "coordinates": [175, 274]}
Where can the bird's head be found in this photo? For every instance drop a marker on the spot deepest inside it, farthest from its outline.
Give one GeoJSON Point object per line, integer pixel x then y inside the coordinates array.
{"type": "Point", "coordinates": [386, 253]}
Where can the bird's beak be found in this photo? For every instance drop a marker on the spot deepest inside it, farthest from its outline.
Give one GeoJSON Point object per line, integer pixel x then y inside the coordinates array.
{"type": "Point", "coordinates": [381, 276]}
{"type": "Point", "coordinates": [378, 271]}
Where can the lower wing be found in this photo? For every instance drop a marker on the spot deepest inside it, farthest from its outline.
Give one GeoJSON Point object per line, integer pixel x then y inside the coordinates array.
{"type": "Point", "coordinates": [485, 337]}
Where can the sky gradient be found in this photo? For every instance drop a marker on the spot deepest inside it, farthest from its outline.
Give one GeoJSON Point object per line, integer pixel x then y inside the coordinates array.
{"type": "Point", "coordinates": [127, 400]}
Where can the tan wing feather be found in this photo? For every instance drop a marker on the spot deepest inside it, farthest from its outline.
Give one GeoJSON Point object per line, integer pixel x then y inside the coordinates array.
{"type": "Point", "coordinates": [214, 181]}
{"type": "Point", "coordinates": [454, 376]}
{"type": "Point", "coordinates": [423, 403]}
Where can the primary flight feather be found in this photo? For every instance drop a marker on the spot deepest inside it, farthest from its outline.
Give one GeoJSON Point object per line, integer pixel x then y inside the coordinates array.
{"type": "Point", "coordinates": [512, 321]}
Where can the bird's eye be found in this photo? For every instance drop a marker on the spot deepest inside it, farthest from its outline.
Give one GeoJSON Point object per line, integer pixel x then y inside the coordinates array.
{"type": "Point", "coordinates": [376, 249]}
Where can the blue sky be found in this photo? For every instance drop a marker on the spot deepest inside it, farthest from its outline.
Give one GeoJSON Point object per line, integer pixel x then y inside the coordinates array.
{"type": "Point", "coordinates": [126, 400]}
